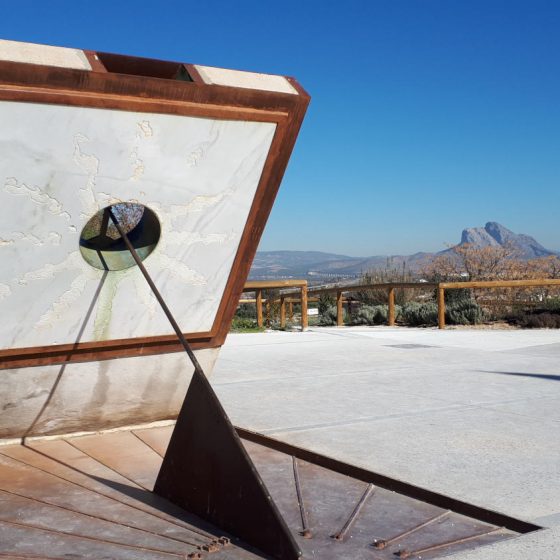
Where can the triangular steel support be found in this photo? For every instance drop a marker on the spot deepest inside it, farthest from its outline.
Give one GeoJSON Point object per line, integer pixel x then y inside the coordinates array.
{"type": "Point", "coordinates": [206, 470]}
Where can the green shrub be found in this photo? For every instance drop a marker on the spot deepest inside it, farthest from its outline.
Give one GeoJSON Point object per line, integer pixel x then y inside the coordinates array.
{"type": "Point", "coordinates": [246, 311]}
{"type": "Point", "coordinates": [374, 314]}
{"type": "Point", "coordinates": [552, 304]}
{"type": "Point", "coordinates": [366, 315]}
{"type": "Point", "coordinates": [417, 314]}
{"type": "Point", "coordinates": [464, 312]}
{"type": "Point", "coordinates": [542, 318]}
{"type": "Point", "coordinates": [325, 302]}
{"type": "Point", "coordinates": [327, 315]}
{"type": "Point", "coordinates": [539, 321]}
{"type": "Point", "coordinates": [244, 324]}
{"type": "Point", "coordinates": [458, 296]}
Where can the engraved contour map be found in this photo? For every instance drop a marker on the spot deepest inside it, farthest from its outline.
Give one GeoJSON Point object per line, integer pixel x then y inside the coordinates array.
{"type": "Point", "coordinates": [61, 164]}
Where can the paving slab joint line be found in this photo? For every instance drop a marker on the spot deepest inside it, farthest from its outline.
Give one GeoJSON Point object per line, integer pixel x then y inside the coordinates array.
{"type": "Point", "coordinates": [100, 518]}
{"type": "Point", "coordinates": [134, 482]}
{"type": "Point", "coordinates": [66, 435]}
{"type": "Point", "coordinates": [164, 518]}
{"type": "Point", "coordinates": [310, 427]}
{"type": "Point", "coordinates": [133, 432]}
{"type": "Point", "coordinates": [85, 537]}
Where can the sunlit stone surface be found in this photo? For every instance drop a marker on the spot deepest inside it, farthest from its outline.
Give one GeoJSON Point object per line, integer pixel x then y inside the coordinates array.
{"type": "Point", "coordinates": [30, 53]}
{"type": "Point", "coordinates": [62, 164]}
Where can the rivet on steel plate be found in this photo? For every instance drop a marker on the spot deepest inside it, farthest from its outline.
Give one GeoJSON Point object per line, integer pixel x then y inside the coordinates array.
{"type": "Point", "coordinates": [211, 547]}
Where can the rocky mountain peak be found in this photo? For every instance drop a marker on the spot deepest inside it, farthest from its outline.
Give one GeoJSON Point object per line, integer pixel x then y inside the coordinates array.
{"type": "Point", "coordinates": [328, 266]}
{"type": "Point", "coordinates": [494, 234]}
{"type": "Point", "coordinates": [500, 233]}
{"type": "Point", "coordinates": [477, 236]}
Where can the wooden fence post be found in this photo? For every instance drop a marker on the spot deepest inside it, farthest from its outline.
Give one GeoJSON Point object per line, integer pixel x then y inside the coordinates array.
{"type": "Point", "coordinates": [304, 308]}
{"type": "Point", "coordinates": [391, 287]}
{"type": "Point", "coordinates": [259, 308]}
{"type": "Point", "coordinates": [441, 307]}
{"type": "Point", "coordinates": [391, 307]}
{"type": "Point", "coordinates": [282, 312]}
{"type": "Point", "coordinates": [339, 310]}
{"type": "Point", "coordinates": [268, 314]}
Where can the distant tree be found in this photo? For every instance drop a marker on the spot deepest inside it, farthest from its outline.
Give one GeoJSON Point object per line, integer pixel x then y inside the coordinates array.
{"type": "Point", "coordinates": [485, 263]}
{"type": "Point", "coordinates": [128, 215]}
{"type": "Point", "coordinates": [271, 307]}
{"type": "Point", "coordinates": [473, 263]}
{"type": "Point", "coordinates": [441, 268]}
{"type": "Point", "coordinates": [494, 263]}
{"type": "Point", "coordinates": [546, 267]}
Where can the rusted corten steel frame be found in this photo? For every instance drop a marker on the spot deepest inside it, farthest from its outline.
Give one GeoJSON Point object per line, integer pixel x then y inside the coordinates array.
{"type": "Point", "coordinates": [100, 88]}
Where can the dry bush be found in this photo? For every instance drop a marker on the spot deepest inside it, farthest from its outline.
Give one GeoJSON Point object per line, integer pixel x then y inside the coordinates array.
{"type": "Point", "coordinates": [537, 320]}
{"type": "Point", "coordinates": [128, 215]}
{"type": "Point", "coordinates": [441, 268]}
{"type": "Point", "coordinates": [485, 263]}
{"type": "Point", "coordinates": [380, 296]}
{"type": "Point", "coordinates": [271, 308]}
{"type": "Point", "coordinates": [469, 262]}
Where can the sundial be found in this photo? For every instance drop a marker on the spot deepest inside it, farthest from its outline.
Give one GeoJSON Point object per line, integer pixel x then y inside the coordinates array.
{"type": "Point", "coordinates": [133, 194]}
{"type": "Point", "coordinates": [193, 157]}
{"type": "Point", "coordinates": [112, 165]}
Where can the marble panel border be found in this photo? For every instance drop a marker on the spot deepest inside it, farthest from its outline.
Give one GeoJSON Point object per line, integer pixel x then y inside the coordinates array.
{"type": "Point", "coordinates": [101, 89]}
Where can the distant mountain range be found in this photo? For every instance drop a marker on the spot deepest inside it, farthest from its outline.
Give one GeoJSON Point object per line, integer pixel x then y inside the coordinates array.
{"type": "Point", "coordinates": [494, 234]}
{"type": "Point", "coordinates": [285, 264]}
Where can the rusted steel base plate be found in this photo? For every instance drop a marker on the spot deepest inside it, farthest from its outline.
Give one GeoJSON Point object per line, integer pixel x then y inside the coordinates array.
{"type": "Point", "coordinates": [354, 519]}
{"type": "Point", "coordinates": [90, 497]}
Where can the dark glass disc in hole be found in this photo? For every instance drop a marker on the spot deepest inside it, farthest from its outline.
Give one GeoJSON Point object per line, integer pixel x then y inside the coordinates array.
{"type": "Point", "coordinates": [102, 246]}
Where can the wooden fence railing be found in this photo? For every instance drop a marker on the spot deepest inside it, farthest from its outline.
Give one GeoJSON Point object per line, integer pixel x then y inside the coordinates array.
{"type": "Point", "coordinates": [485, 284]}
{"type": "Point", "coordinates": [390, 287]}
{"type": "Point", "coordinates": [258, 286]}
{"type": "Point", "coordinates": [287, 296]}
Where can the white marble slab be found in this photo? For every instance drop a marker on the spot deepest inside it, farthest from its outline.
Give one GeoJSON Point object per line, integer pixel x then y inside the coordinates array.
{"type": "Point", "coordinates": [46, 55]}
{"type": "Point", "coordinates": [247, 80]}
{"type": "Point", "coordinates": [60, 165]}
{"type": "Point", "coordinates": [92, 396]}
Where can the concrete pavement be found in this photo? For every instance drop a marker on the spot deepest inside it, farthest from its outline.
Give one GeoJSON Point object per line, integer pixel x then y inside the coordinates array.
{"type": "Point", "coordinates": [473, 414]}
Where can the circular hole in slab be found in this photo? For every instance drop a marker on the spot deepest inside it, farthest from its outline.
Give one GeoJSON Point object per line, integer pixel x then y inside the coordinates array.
{"type": "Point", "coordinates": [101, 244]}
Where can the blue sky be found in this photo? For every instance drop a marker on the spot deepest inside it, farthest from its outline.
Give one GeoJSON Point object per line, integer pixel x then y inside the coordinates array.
{"type": "Point", "coordinates": [427, 116]}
